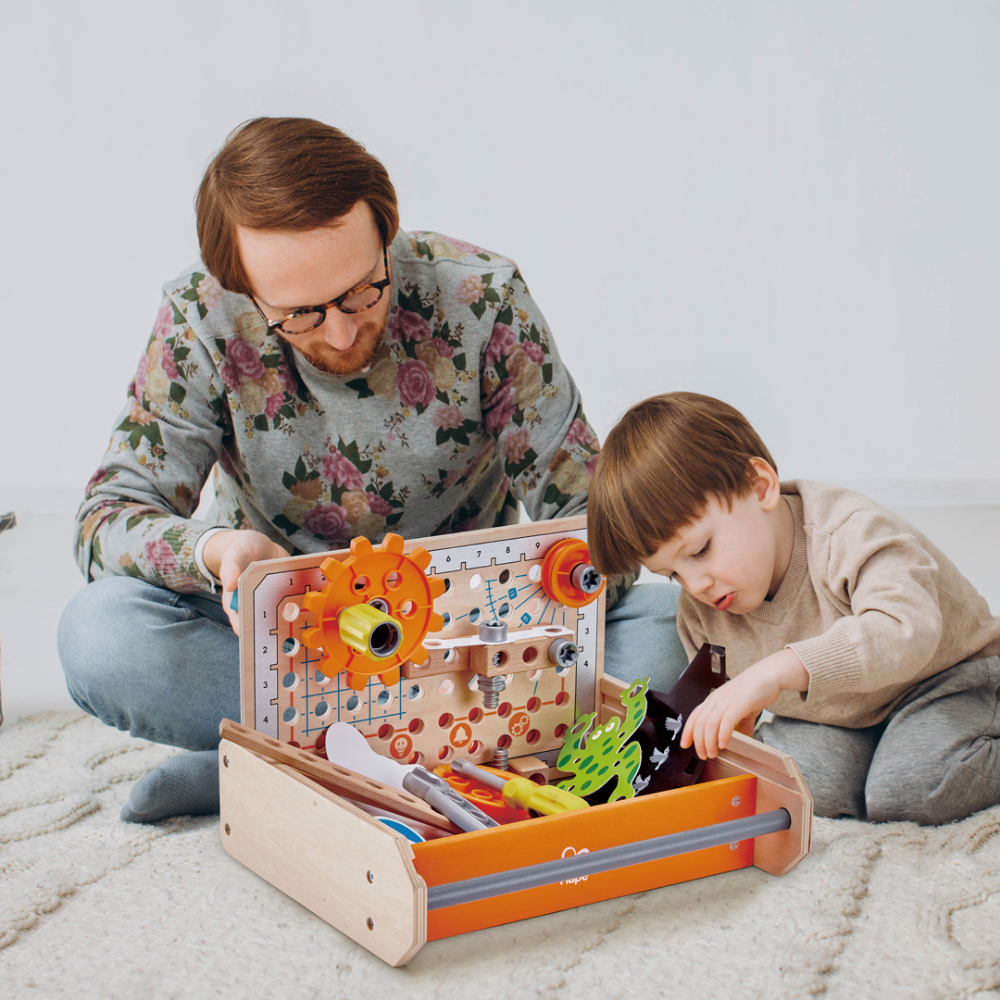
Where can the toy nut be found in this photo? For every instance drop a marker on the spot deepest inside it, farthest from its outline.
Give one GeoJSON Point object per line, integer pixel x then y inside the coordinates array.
{"type": "Point", "coordinates": [568, 576]}
{"type": "Point", "coordinates": [369, 631]}
{"type": "Point", "coordinates": [493, 631]}
{"type": "Point", "coordinates": [563, 652]}
{"type": "Point", "coordinates": [586, 579]}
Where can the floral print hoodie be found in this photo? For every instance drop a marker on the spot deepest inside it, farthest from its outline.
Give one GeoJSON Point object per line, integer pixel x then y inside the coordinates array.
{"type": "Point", "coordinates": [466, 410]}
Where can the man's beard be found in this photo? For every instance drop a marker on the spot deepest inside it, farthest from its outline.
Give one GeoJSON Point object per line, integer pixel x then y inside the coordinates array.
{"type": "Point", "coordinates": [358, 357]}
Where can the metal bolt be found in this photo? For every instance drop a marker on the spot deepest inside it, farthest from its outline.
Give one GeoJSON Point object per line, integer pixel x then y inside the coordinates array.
{"type": "Point", "coordinates": [371, 924]}
{"type": "Point", "coordinates": [500, 758]}
{"type": "Point", "coordinates": [371, 876]}
{"type": "Point", "coordinates": [735, 846]}
{"type": "Point", "coordinates": [493, 631]}
{"type": "Point", "coordinates": [563, 652]}
{"type": "Point", "coordinates": [225, 760]}
{"type": "Point", "coordinates": [491, 687]}
{"type": "Point", "coordinates": [736, 801]}
{"type": "Point", "coordinates": [584, 577]}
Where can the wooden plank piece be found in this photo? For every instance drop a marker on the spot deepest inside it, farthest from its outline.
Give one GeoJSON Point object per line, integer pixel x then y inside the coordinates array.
{"type": "Point", "coordinates": [529, 767]}
{"type": "Point", "coordinates": [339, 779]}
{"type": "Point", "coordinates": [612, 688]}
{"type": "Point", "coordinates": [331, 857]}
{"type": "Point", "coordinates": [525, 649]}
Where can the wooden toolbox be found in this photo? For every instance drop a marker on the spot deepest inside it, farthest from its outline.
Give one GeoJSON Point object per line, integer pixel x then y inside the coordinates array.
{"type": "Point", "coordinates": [390, 895]}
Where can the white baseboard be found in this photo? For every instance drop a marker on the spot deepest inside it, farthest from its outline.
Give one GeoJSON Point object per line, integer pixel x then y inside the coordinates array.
{"type": "Point", "coordinates": [890, 492]}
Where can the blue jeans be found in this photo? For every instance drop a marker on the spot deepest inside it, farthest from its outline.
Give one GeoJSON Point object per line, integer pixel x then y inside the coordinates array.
{"type": "Point", "coordinates": [165, 666]}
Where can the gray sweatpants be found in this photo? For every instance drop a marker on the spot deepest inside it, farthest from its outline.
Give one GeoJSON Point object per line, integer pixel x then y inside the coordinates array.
{"type": "Point", "coordinates": [936, 758]}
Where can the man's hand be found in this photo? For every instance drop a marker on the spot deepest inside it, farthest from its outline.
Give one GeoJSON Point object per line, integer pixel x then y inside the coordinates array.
{"type": "Point", "coordinates": [228, 553]}
{"type": "Point", "coordinates": [712, 723]}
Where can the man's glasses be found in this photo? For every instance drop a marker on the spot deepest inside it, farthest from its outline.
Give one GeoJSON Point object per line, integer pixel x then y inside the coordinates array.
{"type": "Point", "coordinates": [354, 301]}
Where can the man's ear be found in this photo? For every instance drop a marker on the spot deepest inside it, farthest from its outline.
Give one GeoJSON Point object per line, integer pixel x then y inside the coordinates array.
{"type": "Point", "coordinates": [766, 486]}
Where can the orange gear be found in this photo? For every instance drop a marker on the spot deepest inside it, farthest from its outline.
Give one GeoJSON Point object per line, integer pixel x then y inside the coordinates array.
{"type": "Point", "coordinates": [404, 593]}
{"type": "Point", "coordinates": [557, 573]}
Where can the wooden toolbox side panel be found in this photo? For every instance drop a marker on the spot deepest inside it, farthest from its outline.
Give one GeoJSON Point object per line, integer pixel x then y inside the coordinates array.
{"type": "Point", "coordinates": [319, 849]}
{"type": "Point", "coordinates": [780, 785]}
{"type": "Point", "coordinates": [532, 841]}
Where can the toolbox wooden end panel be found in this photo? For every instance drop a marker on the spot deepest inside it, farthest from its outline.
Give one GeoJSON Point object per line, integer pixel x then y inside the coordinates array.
{"type": "Point", "coordinates": [319, 849]}
{"type": "Point", "coordinates": [780, 785]}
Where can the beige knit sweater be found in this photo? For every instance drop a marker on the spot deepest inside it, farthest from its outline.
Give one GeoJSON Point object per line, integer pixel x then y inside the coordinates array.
{"type": "Point", "coordinates": [868, 603]}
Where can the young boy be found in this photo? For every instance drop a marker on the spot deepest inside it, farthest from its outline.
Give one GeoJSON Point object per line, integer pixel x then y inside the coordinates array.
{"type": "Point", "coordinates": [876, 656]}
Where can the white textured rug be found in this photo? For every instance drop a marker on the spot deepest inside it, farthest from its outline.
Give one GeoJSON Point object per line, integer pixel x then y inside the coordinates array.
{"type": "Point", "coordinates": [92, 907]}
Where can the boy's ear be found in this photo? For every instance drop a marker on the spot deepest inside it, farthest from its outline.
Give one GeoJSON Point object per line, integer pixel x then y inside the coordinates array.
{"type": "Point", "coordinates": [767, 486]}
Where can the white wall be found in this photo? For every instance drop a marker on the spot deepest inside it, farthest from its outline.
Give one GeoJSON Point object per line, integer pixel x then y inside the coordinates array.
{"type": "Point", "coordinates": [792, 206]}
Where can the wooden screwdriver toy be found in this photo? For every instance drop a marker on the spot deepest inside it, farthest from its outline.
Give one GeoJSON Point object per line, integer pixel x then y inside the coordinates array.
{"type": "Point", "coordinates": [523, 793]}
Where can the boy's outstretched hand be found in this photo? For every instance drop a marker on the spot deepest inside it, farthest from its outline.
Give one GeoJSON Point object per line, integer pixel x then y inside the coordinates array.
{"type": "Point", "coordinates": [712, 723]}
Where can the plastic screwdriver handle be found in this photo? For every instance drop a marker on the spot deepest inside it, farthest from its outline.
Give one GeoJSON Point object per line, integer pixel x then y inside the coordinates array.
{"type": "Point", "coordinates": [522, 793]}
{"type": "Point", "coordinates": [480, 774]}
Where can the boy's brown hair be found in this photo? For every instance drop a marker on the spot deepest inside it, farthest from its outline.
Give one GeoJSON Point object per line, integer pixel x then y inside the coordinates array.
{"type": "Point", "coordinates": [291, 174]}
{"type": "Point", "coordinates": [657, 470]}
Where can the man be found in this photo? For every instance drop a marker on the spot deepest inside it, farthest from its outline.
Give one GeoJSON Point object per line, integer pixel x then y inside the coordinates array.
{"type": "Point", "coordinates": [343, 378]}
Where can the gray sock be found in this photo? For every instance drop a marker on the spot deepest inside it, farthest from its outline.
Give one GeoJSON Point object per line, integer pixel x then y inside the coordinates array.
{"type": "Point", "coordinates": [186, 785]}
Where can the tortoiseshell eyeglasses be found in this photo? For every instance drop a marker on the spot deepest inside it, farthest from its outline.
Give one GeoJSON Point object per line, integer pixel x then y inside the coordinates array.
{"type": "Point", "coordinates": [353, 301]}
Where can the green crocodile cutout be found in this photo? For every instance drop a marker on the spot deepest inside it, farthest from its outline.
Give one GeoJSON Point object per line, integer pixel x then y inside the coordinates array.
{"type": "Point", "coordinates": [595, 757]}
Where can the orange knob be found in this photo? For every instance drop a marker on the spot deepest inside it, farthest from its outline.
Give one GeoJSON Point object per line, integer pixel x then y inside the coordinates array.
{"type": "Point", "coordinates": [567, 575]}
